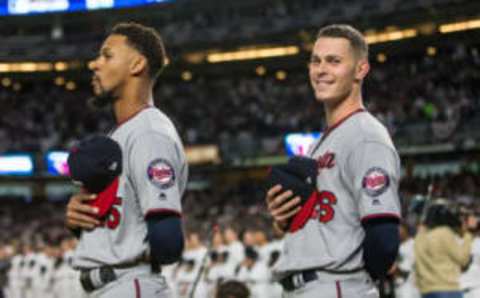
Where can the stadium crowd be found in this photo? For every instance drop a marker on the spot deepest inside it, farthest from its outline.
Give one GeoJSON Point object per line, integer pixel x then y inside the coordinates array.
{"type": "Point", "coordinates": [242, 114]}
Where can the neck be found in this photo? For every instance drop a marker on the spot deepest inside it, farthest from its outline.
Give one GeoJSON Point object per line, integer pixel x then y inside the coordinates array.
{"type": "Point", "coordinates": [134, 98]}
{"type": "Point", "coordinates": [337, 111]}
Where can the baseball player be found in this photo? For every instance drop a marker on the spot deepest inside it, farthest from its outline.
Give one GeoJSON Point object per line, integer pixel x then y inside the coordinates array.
{"type": "Point", "coordinates": [235, 248]}
{"type": "Point", "coordinates": [347, 230]}
{"type": "Point", "coordinates": [404, 275]}
{"type": "Point", "coordinates": [469, 280]}
{"type": "Point", "coordinates": [14, 277]}
{"type": "Point", "coordinates": [67, 280]}
{"type": "Point", "coordinates": [121, 254]}
{"type": "Point", "coordinates": [254, 273]}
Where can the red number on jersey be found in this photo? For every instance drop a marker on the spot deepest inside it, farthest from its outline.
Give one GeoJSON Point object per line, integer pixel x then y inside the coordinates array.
{"type": "Point", "coordinates": [114, 217]}
{"type": "Point", "coordinates": [326, 200]}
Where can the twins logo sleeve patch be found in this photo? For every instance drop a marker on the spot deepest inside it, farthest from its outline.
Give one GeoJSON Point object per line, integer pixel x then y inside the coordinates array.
{"type": "Point", "coordinates": [161, 173]}
{"type": "Point", "coordinates": [375, 182]}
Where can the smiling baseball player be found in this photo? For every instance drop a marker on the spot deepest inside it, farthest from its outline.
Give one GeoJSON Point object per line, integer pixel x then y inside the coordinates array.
{"type": "Point", "coordinates": [346, 228]}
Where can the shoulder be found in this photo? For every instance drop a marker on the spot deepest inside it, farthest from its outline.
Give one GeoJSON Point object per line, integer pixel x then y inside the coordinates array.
{"type": "Point", "coordinates": [152, 125]}
{"type": "Point", "coordinates": [370, 129]}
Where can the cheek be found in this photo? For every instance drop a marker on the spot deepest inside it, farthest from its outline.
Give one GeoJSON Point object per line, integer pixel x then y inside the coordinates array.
{"type": "Point", "coordinates": [114, 73]}
{"type": "Point", "coordinates": [346, 78]}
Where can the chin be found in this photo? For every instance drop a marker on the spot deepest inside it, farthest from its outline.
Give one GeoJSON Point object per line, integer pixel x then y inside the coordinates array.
{"type": "Point", "coordinates": [322, 97]}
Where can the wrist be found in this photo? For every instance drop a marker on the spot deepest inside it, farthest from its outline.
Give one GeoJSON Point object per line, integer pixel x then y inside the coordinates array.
{"type": "Point", "coordinates": [282, 227]}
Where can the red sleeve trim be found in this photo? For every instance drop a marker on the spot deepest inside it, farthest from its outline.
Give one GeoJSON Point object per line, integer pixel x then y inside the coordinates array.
{"type": "Point", "coordinates": [380, 215]}
{"type": "Point", "coordinates": [339, 289]}
{"type": "Point", "coordinates": [163, 211]}
{"type": "Point", "coordinates": [138, 293]}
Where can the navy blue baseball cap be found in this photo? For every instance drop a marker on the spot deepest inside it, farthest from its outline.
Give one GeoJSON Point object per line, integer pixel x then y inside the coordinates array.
{"type": "Point", "coordinates": [95, 162]}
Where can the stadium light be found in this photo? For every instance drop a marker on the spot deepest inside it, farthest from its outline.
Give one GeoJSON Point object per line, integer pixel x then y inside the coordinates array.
{"type": "Point", "coordinates": [250, 54]}
{"type": "Point", "coordinates": [460, 26]}
{"type": "Point", "coordinates": [281, 75]}
{"type": "Point", "coordinates": [187, 75]}
{"type": "Point", "coordinates": [390, 35]}
{"type": "Point", "coordinates": [261, 70]}
{"type": "Point", "coordinates": [28, 67]}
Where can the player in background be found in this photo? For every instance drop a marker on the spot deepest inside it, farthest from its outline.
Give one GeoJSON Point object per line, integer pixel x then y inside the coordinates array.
{"type": "Point", "coordinates": [66, 279]}
{"type": "Point", "coordinates": [234, 247]}
{"type": "Point", "coordinates": [14, 285]}
{"type": "Point", "coordinates": [254, 273]}
{"type": "Point", "coordinates": [404, 268]}
{"type": "Point", "coordinates": [122, 256]}
{"type": "Point", "coordinates": [469, 280]}
{"type": "Point", "coordinates": [349, 233]}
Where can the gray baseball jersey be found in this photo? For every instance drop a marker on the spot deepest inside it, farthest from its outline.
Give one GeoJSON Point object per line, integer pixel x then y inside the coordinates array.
{"type": "Point", "coordinates": [358, 176]}
{"type": "Point", "coordinates": [153, 179]}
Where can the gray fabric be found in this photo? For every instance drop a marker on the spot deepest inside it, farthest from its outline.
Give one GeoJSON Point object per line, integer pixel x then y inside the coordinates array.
{"type": "Point", "coordinates": [353, 288]}
{"type": "Point", "coordinates": [332, 237]}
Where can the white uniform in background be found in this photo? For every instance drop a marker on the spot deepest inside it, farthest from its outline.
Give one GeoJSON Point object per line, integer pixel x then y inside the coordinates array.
{"type": "Point", "coordinates": [236, 253]}
{"type": "Point", "coordinates": [15, 285]}
{"type": "Point", "coordinates": [67, 280]}
{"type": "Point", "coordinates": [407, 288]}
{"type": "Point", "coordinates": [275, 289]}
{"type": "Point", "coordinates": [470, 280]}
{"type": "Point", "coordinates": [185, 282]}
{"type": "Point", "coordinates": [257, 278]}
{"type": "Point", "coordinates": [27, 273]}
{"type": "Point", "coordinates": [42, 277]}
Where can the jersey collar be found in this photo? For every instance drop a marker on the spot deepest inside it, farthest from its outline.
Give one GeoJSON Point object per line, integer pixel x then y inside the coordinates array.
{"type": "Point", "coordinates": [329, 129]}
{"type": "Point", "coordinates": [146, 106]}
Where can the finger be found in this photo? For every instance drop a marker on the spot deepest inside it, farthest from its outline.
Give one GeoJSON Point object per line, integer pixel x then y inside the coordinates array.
{"type": "Point", "coordinates": [81, 225]}
{"type": "Point", "coordinates": [83, 208]}
{"type": "Point", "coordinates": [85, 197]}
{"type": "Point", "coordinates": [288, 215]}
{"type": "Point", "coordinates": [273, 191]}
{"type": "Point", "coordinates": [286, 207]}
{"type": "Point", "coordinates": [82, 218]}
{"type": "Point", "coordinates": [280, 199]}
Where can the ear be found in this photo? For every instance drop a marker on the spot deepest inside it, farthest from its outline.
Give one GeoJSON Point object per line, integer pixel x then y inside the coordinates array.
{"type": "Point", "coordinates": [362, 69]}
{"type": "Point", "coordinates": [138, 64]}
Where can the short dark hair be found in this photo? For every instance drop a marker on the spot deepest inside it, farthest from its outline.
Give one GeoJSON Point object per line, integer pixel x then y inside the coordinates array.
{"type": "Point", "coordinates": [232, 289]}
{"type": "Point", "coordinates": [148, 42]}
{"type": "Point", "coordinates": [355, 37]}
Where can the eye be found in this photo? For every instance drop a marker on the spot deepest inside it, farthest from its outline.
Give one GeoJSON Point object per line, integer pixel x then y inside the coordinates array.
{"type": "Point", "coordinates": [314, 61]}
{"type": "Point", "coordinates": [335, 61]}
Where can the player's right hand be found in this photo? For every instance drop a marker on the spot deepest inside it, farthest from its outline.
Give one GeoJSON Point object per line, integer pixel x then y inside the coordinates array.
{"type": "Point", "coordinates": [281, 205]}
{"type": "Point", "coordinates": [80, 214]}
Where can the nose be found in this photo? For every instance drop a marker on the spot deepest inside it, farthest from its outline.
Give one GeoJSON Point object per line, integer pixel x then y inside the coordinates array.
{"type": "Point", "coordinates": [317, 68]}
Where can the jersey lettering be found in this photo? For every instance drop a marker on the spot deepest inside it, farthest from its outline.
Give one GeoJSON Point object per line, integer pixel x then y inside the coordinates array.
{"type": "Point", "coordinates": [112, 220]}
{"type": "Point", "coordinates": [324, 211]}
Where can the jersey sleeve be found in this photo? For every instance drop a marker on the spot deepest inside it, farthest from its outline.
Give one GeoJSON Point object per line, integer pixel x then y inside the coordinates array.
{"type": "Point", "coordinates": [374, 174]}
{"type": "Point", "coordinates": [155, 166]}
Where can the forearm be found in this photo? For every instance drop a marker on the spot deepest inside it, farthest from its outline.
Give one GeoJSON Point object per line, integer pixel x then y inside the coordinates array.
{"type": "Point", "coordinates": [165, 236]}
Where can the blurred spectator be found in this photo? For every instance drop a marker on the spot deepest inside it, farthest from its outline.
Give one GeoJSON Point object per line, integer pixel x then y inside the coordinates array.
{"type": "Point", "coordinates": [442, 251]}
{"type": "Point", "coordinates": [232, 289]}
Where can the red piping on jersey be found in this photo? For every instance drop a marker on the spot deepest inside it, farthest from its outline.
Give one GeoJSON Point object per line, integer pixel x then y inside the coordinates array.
{"type": "Point", "coordinates": [147, 106]}
{"type": "Point", "coordinates": [380, 215]}
{"type": "Point", "coordinates": [339, 289]}
{"type": "Point", "coordinates": [163, 211]}
{"type": "Point", "coordinates": [138, 294]}
{"type": "Point", "coordinates": [330, 128]}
